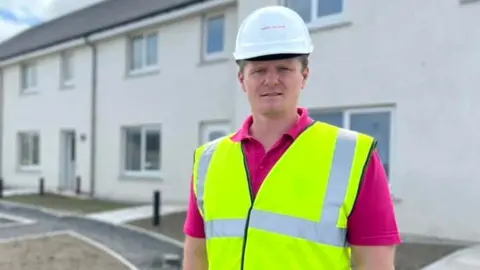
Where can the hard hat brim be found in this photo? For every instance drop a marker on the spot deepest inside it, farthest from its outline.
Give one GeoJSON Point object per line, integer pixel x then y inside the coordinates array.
{"type": "Point", "coordinates": [272, 57]}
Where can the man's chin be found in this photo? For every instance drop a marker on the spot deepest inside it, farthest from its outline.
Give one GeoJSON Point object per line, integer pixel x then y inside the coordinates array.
{"type": "Point", "coordinates": [273, 111]}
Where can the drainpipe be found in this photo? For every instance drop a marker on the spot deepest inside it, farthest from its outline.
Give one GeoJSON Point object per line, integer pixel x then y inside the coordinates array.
{"type": "Point", "coordinates": [2, 109]}
{"type": "Point", "coordinates": [93, 117]}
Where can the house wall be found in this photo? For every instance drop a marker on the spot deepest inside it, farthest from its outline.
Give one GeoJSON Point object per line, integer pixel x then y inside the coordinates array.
{"type": "Point", "coordinates": [185, 91]}
{"type": "Point", "coordinates": [419, 59]}
{"type": "Point", "coordinates": [49, 111]}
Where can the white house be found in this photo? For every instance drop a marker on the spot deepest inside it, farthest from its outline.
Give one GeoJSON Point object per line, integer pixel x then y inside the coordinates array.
{"type": "Point", "coordinates": [123, 101]}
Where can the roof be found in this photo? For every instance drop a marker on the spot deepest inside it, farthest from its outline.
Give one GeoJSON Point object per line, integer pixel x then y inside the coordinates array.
{"type": "Point", "coordinates": [95, 18]}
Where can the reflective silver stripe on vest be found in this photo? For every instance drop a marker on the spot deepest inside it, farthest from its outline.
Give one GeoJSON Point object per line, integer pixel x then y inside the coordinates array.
{"type": "Point", "coordinates": [324, 232]}
{"type": "Point", "coordinates": [203, 165]}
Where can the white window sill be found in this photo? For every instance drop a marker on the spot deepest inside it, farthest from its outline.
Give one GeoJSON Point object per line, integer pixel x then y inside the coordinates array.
{"type": "Point", "coordinates": [67, 84]}
{"type": "Point", "coordinates": [211, 59]}
{"type": "Point", "coordinates": [154, 175]}
{"type": "Point", "coordinates": [143, 71]}
{"type": "Point", "coordinates": [329, 22]}
{"type": "Point", "coordinates": [34, 169]}
{"type": "Point", "coordinates": [27, 91]}
{"type": "Point", "coordinates": [214, 56]}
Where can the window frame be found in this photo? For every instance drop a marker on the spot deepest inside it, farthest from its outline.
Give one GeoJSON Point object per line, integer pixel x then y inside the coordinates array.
{"type": "Point", "coordinates": [216, 55]}
{"type": "Point", "coordinates": [348, 112]}
{"type": "Point", "coordinates": [67, 58]}
{"type": "Point", "coordinates": [26, 84]}
{"type": "Point", "coordinates": [131, 54]}
{"type": "Point", "coordinates": [325, 21]}
{"type": "Point", "coordinates": [207, 127]}
{"type": "Point", "coordinates": [30, 135]}
{"type": "Point", "coordinates": [142, 172]}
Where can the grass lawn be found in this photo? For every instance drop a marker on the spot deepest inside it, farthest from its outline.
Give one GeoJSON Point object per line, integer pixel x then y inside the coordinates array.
{"type": "Point", "coordinates": [170, 225]}
{"type": "Point", "coordinates": [65, 203]}
{"type": "Point", "coordinates": [55, 252]}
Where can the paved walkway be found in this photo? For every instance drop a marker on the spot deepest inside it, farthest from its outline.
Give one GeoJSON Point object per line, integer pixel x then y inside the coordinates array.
{"type": "Point", "coordinates": [126, 215]}
{"type": "Point", "coordinates": [466, 259]}
{"type": "Point", "coordinates": [140, 249]}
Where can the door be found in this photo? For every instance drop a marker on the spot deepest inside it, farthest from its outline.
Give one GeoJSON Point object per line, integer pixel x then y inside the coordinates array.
{"type": "Point", "coordinates": [68, 161]}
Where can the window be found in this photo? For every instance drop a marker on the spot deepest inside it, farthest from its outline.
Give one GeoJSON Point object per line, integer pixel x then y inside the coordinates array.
{"type": "Point", "coordinates": [214, 43]}
{"type": "Point", "coordinates": [29, 149]}
{"type": "Point", "coordinates": [311, 10]}
{"type": "Point", "coordinates": [374, 122]}
{"type": "Point", "coordinates": [28, 76]}
{"type": "Point", "coordinates": [142, 150]}
{"type": "Point", "coordinates": [66, 68]}
{"type": "Point", "coordinates": [210, 131]}
{"type": "Point", "coordinates": [144, 52]}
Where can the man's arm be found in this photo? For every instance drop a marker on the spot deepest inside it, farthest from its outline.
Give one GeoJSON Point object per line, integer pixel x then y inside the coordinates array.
{"type": "Point", "coordinates": [195, 254]}
{"type": "Point", "coordinates": [372, 226]}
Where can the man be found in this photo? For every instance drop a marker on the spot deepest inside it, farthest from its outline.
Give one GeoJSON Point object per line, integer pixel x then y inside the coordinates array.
{"type": "Point", "coordinates": [285, 192]}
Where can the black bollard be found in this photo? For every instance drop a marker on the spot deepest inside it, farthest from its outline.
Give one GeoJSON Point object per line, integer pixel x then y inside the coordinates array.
{"type": "Point", "coordinates": [41, 186]}
{"type": "Point", "coordinates": [78, 188]}
{"type": "Point", "coordinates": [156, 208]}
{"type": "Point", "coordinates": [1, 187]}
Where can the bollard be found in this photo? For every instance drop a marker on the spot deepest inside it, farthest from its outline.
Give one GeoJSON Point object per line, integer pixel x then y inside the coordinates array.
{"type": "Point", "coordinates": [78, 188]}
{"type": "Point", "coordinates": [41, 186]}
{"type": "Point", "coordinates": [156, 208]}
{"type": "Point", "coordinates": [1, 187]}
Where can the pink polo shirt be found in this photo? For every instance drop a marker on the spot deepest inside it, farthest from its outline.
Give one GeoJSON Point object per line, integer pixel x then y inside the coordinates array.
{"type": "Point", "coordinates": [372, 222]}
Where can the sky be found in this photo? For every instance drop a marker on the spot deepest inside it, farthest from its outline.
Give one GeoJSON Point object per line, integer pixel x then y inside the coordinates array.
{"type": "Point", "coordinates": [18, 15]}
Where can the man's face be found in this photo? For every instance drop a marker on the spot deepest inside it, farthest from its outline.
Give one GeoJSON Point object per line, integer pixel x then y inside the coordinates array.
{"type": "Point", "coordinates": [273, 87]}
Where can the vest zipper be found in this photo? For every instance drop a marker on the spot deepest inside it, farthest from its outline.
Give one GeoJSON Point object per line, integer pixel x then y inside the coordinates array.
{"type": "Point", "coordinates": [250, 189]}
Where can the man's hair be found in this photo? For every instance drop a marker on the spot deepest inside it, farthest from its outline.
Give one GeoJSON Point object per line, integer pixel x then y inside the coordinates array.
{"type": "Point", "coordinates": [303, 58]}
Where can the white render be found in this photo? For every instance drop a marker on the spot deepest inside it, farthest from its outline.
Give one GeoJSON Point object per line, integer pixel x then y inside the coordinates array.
{"type": "Point", "coordinates": [204, 90]}
{"type": "Point", "coordinates": [410, 57]}
{"type": "Point", "coordinates": [49, 110]}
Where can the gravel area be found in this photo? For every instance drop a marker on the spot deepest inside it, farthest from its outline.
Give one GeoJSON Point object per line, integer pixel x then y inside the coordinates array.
{"type": "Point", "coordinates": [55, 252]}
{"type": "Point", "coordinates": [141, 250]}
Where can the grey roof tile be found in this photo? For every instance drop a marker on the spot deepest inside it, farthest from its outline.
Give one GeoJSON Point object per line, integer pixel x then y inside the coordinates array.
{"type": "Point", "coordinates": [95, 18]}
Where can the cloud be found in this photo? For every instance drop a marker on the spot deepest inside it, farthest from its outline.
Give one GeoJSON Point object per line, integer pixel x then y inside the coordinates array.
{"type": "Point", "coordinates": [18, 15]}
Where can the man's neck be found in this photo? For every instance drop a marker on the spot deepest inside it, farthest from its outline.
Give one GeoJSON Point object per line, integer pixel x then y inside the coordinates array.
{"type": "Point", "coordinates": [268, 130]}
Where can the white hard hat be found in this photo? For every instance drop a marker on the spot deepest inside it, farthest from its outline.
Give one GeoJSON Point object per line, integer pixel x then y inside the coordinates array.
{"type": "Point", "coordinates": [272, 30]}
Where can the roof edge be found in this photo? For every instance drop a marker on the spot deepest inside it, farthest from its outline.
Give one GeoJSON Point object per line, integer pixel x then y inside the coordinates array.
{"type": "Point", "coordinates": [159, 19]}
{"type": "Point", "coordinates": [116, 30]}
{"type": "Point", "coordinates": [60, 46]}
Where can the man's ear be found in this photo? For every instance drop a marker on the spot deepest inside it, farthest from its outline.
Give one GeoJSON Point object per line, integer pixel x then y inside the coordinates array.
{"type": "Point", "coordinates": [241, 77]}
{"type": "Point", "coordinates": [305, 74]}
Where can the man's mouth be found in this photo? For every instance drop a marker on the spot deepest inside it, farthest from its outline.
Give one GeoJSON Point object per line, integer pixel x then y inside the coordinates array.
{"type": "Point", "coordinates": [271, 94]}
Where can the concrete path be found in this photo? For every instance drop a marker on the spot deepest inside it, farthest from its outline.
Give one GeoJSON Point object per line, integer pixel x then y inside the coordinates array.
{"type": "Point", "coordinates": [143, 250]}
{"type": "Point", "coordinates": [126, 215]}
{"type": "Point", "coordinates": [465, 259]}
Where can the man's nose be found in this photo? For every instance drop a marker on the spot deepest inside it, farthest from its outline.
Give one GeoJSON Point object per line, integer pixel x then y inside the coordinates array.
{"type": "Point", "coordinates": [271, 78]}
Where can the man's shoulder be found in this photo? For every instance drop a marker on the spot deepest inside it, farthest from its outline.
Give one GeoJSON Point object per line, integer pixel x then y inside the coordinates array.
{"type": "Point", "coordinates": [215, 142]}
{"type": "Point", "coordinates": [342, 132]}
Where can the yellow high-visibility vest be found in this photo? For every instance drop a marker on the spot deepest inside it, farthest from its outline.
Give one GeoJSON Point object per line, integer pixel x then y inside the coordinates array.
{"type": "Point", "coordinates": [298, 220]}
